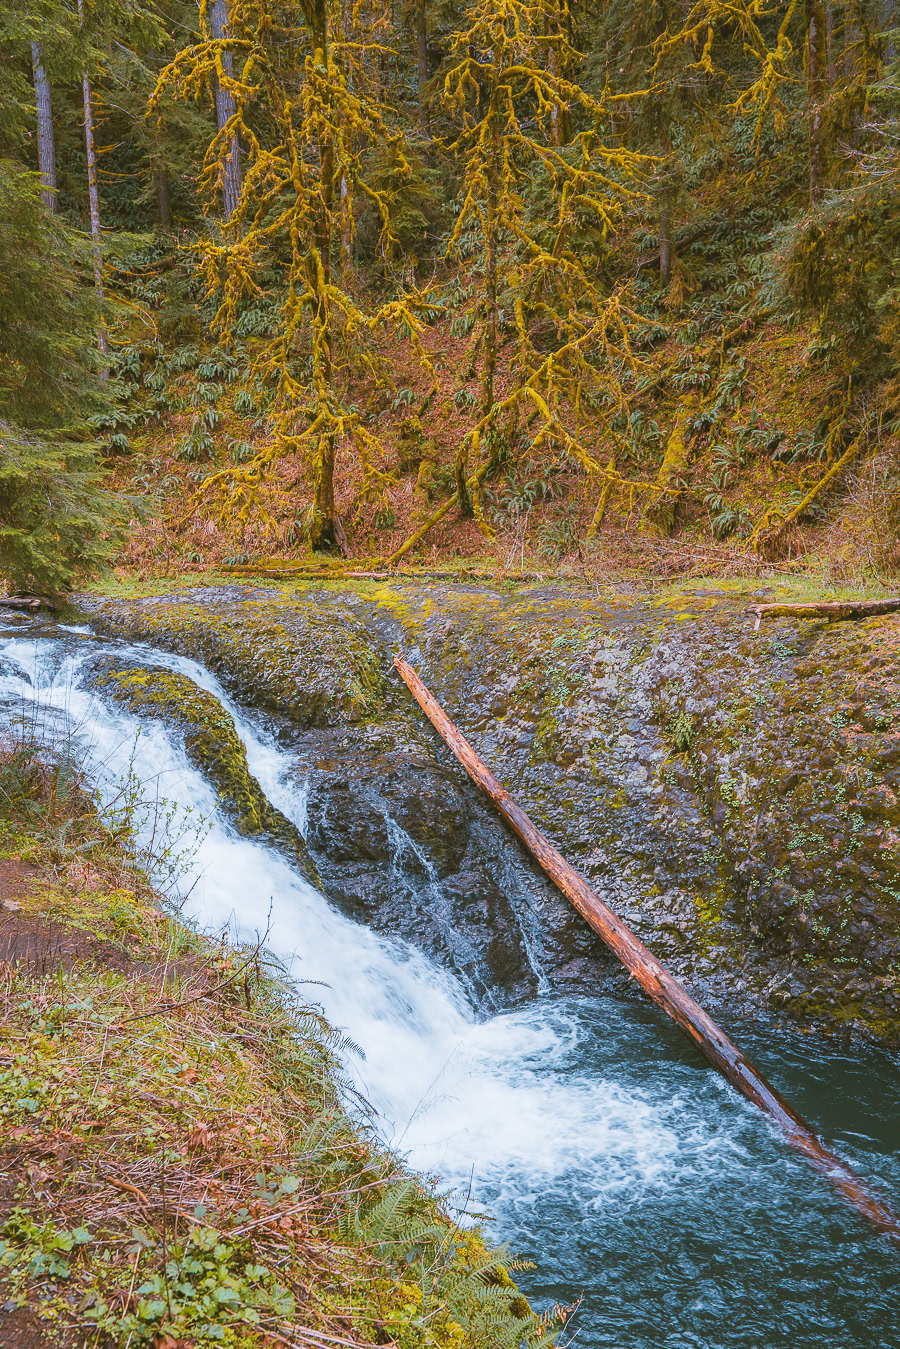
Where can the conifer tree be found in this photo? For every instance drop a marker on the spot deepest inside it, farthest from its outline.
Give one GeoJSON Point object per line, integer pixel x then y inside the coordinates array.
{"type": "Point", "coordinates": [44, 117]}
{"type": "Point", "coordinates": [57, 521]}
{"type": "Point", "coordinates": [216, 14]}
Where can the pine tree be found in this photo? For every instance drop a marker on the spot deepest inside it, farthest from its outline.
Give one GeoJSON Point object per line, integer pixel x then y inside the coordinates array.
{"type": "Point", "coordinates": [57, 521]}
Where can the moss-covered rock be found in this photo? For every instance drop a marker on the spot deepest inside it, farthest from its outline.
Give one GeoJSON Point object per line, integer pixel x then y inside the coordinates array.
{"type": "Point", "coordinates": [733, 794]}
{"type": "Point", "coordinates": [315, 665]}
{"type": "Point", "coordinates": [212, 745]}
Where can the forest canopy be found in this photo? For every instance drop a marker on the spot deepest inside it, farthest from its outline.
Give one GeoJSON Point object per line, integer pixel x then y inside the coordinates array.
{"type": "Point", "coordinates": [519, 278]}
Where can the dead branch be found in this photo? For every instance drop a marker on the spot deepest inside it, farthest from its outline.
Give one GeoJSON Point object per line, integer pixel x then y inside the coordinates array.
{"type": "Point", "coordinates": [832, 610]}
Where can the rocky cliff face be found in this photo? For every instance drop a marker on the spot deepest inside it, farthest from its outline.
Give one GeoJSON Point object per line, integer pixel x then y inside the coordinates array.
{"type": "Point", "coordinates": [734, 795]}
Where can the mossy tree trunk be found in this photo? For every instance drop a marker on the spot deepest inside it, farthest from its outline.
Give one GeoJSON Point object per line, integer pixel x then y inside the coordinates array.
{"type": "Point", "coordinates": [225, 110]}
{"type": "Point", "coordinates": [815, 94]}
{"type": "Point", "coordinates": [322, 535]}
{"type": "Point", "coordinates": [45, 146]}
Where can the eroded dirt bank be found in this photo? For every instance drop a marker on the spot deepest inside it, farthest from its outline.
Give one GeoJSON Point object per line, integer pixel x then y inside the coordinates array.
{"type": "Point", "coordinates": [734, 795]}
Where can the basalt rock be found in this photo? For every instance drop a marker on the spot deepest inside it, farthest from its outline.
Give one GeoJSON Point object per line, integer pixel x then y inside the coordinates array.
{"type": "Point", "coordinates": [733, 794]}
{"type": "Point", "coordinates": [404, 847]}
{"type": "Point", "coordinates": [212, 745]}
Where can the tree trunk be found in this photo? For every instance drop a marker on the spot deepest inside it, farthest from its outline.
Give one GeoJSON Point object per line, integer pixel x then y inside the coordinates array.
{"type": "Point", "coordinates": [422, 62]}
{"type": "Point", "coordinates": [321, 534]}
{"type": "Point", "coordinates": [830, 610]}
{"type": "Point", "coordinates": [322, 526]}
{"type": "Point", "coordinates": [45, 147]}
{"type": "Point", "coordinates": [556, 135]}
{"type": "Point", "coordinates": [490, 300]}
{"type": "Point", "coordinates": [346, 233]}
{"type": "Point", "coordinates": [652, 975]}
{"type": "Point", "coordinates": [225, 110]}
{"type": "Point", "coordinates": [815, 92]}
{"type": "Point", "coordinates": [94, 205]}
{"type": "Point", "coordinates": [321, 529]}
{"type": "Point", "coordinates": [830, 63]}
{"type": "Point", "coordinates": [665, 246]}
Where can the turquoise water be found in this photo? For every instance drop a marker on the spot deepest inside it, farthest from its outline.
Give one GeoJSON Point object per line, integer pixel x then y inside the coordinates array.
{"type": "Point", "coordinates": [750, 1250]}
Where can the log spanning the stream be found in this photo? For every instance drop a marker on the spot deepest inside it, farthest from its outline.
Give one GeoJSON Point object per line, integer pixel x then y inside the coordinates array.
{"type": "Point", "coordinates": [652, 975]}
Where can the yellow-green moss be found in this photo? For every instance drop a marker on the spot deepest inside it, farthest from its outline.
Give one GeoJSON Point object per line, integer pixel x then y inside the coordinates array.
{"type": "Point", "coordinates": [212, 744]}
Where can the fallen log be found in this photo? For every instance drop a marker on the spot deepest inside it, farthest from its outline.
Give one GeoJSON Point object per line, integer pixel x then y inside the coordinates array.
{"type": "Point", "coordinates": [30, 602]}
{"type": "Point", "coordinates": [828, 609]}
{"type": "Point", "coordinates": [21, 602]}
{"type": "Point", "coordinates": [652, 975]}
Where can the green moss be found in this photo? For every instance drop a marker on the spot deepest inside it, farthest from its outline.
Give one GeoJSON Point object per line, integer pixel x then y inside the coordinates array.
{"type": "Point", "coordinates": [212, 745]}
{"type": "Point", "coordinates": [281, 652]}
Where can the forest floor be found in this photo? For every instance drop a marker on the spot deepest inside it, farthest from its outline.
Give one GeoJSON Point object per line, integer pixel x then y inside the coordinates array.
{"type": "Point", "coordinates": [178, 1166]}
{"type": "Point", "coordinates": [770, 416]}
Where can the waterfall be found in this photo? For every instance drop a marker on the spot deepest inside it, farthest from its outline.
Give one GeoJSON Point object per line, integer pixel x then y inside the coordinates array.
{"type": "Point", "coordinates": [585, 1127]}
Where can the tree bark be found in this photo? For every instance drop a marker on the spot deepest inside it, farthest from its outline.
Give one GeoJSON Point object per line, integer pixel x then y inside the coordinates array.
{"type": "Point", "coordinates": [422, 62]}
{"type": "Point", "coordinates": [815, 94]}
{"type": "Point", "coordinates": [652, 975]}
{"type": "Point", "coordinates": [490, 297]}
{"type": "Point", "coordinates": [322, 534]}
{"type": "Point", "coordinates": [665, 246]}
{"type": "Point", "coordinates": [225, 110]}
{"type": "Point", "coordinates": [45, 146]}
{"type": "Point", "coordinates": [163, 197]}
{"type": "Point", "coordinates": [94, 205]}
{"type": "Point", "coordinates": [831, 610]}
{"type": "Point", "coordinates": [346, 233]}
{"type": "Point", "coordinates": [830, 63]}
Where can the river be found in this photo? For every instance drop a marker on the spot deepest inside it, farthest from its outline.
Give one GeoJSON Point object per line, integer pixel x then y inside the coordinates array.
{"type": "Point", "coordinates": [597, 1142]}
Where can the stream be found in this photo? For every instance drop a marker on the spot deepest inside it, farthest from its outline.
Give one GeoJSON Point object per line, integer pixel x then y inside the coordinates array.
{"type": "Point", "coordinates": [590, 1133]}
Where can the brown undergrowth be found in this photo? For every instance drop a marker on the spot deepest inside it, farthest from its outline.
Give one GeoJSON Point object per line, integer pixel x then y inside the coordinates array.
{"type": "Point", "coordinates": [541, 508]}
{"type": "Point", "coordinates": [179, 1166]}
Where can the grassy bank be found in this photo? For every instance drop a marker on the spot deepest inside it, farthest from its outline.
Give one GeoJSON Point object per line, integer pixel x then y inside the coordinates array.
{"type": "Point", "coordinates": [179, 1166]}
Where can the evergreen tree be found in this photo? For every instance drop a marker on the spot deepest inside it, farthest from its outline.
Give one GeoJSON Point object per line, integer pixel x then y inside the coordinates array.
{"type": "Point", "coordinates": [58, 523]}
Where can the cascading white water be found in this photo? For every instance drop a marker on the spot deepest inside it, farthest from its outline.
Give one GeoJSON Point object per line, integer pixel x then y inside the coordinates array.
{"type": "Point", "coordinates": [459, 1095]}
{"type": "Point", "coordinates": [585, 1126]}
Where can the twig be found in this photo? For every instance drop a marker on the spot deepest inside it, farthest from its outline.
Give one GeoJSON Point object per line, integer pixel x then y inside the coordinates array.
{"type": "Point", "coordinates": [162, 1007]}
{"type": "Point", "coordinates": [124, 1185]}
{"type": "Point", "coordinates": [319, 1337]}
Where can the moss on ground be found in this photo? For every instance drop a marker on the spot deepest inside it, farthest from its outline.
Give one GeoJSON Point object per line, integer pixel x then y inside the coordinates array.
{"type": "Point", "coordinates": [177, 1164]}
{"type": "Point", "coordinates": [786, 806]}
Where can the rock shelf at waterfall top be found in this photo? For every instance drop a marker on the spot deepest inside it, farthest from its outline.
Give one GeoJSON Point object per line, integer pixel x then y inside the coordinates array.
{"type": "Point", "coordinates": [733, 794]}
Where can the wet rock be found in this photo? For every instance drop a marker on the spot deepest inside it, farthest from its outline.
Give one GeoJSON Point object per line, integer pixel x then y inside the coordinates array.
{"type": "Point", "coordinates": [390, 835]}
{"type": "Point", "coordinates": [211, 744]}
{"type": "Point", "coordinates": [731, 792]}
